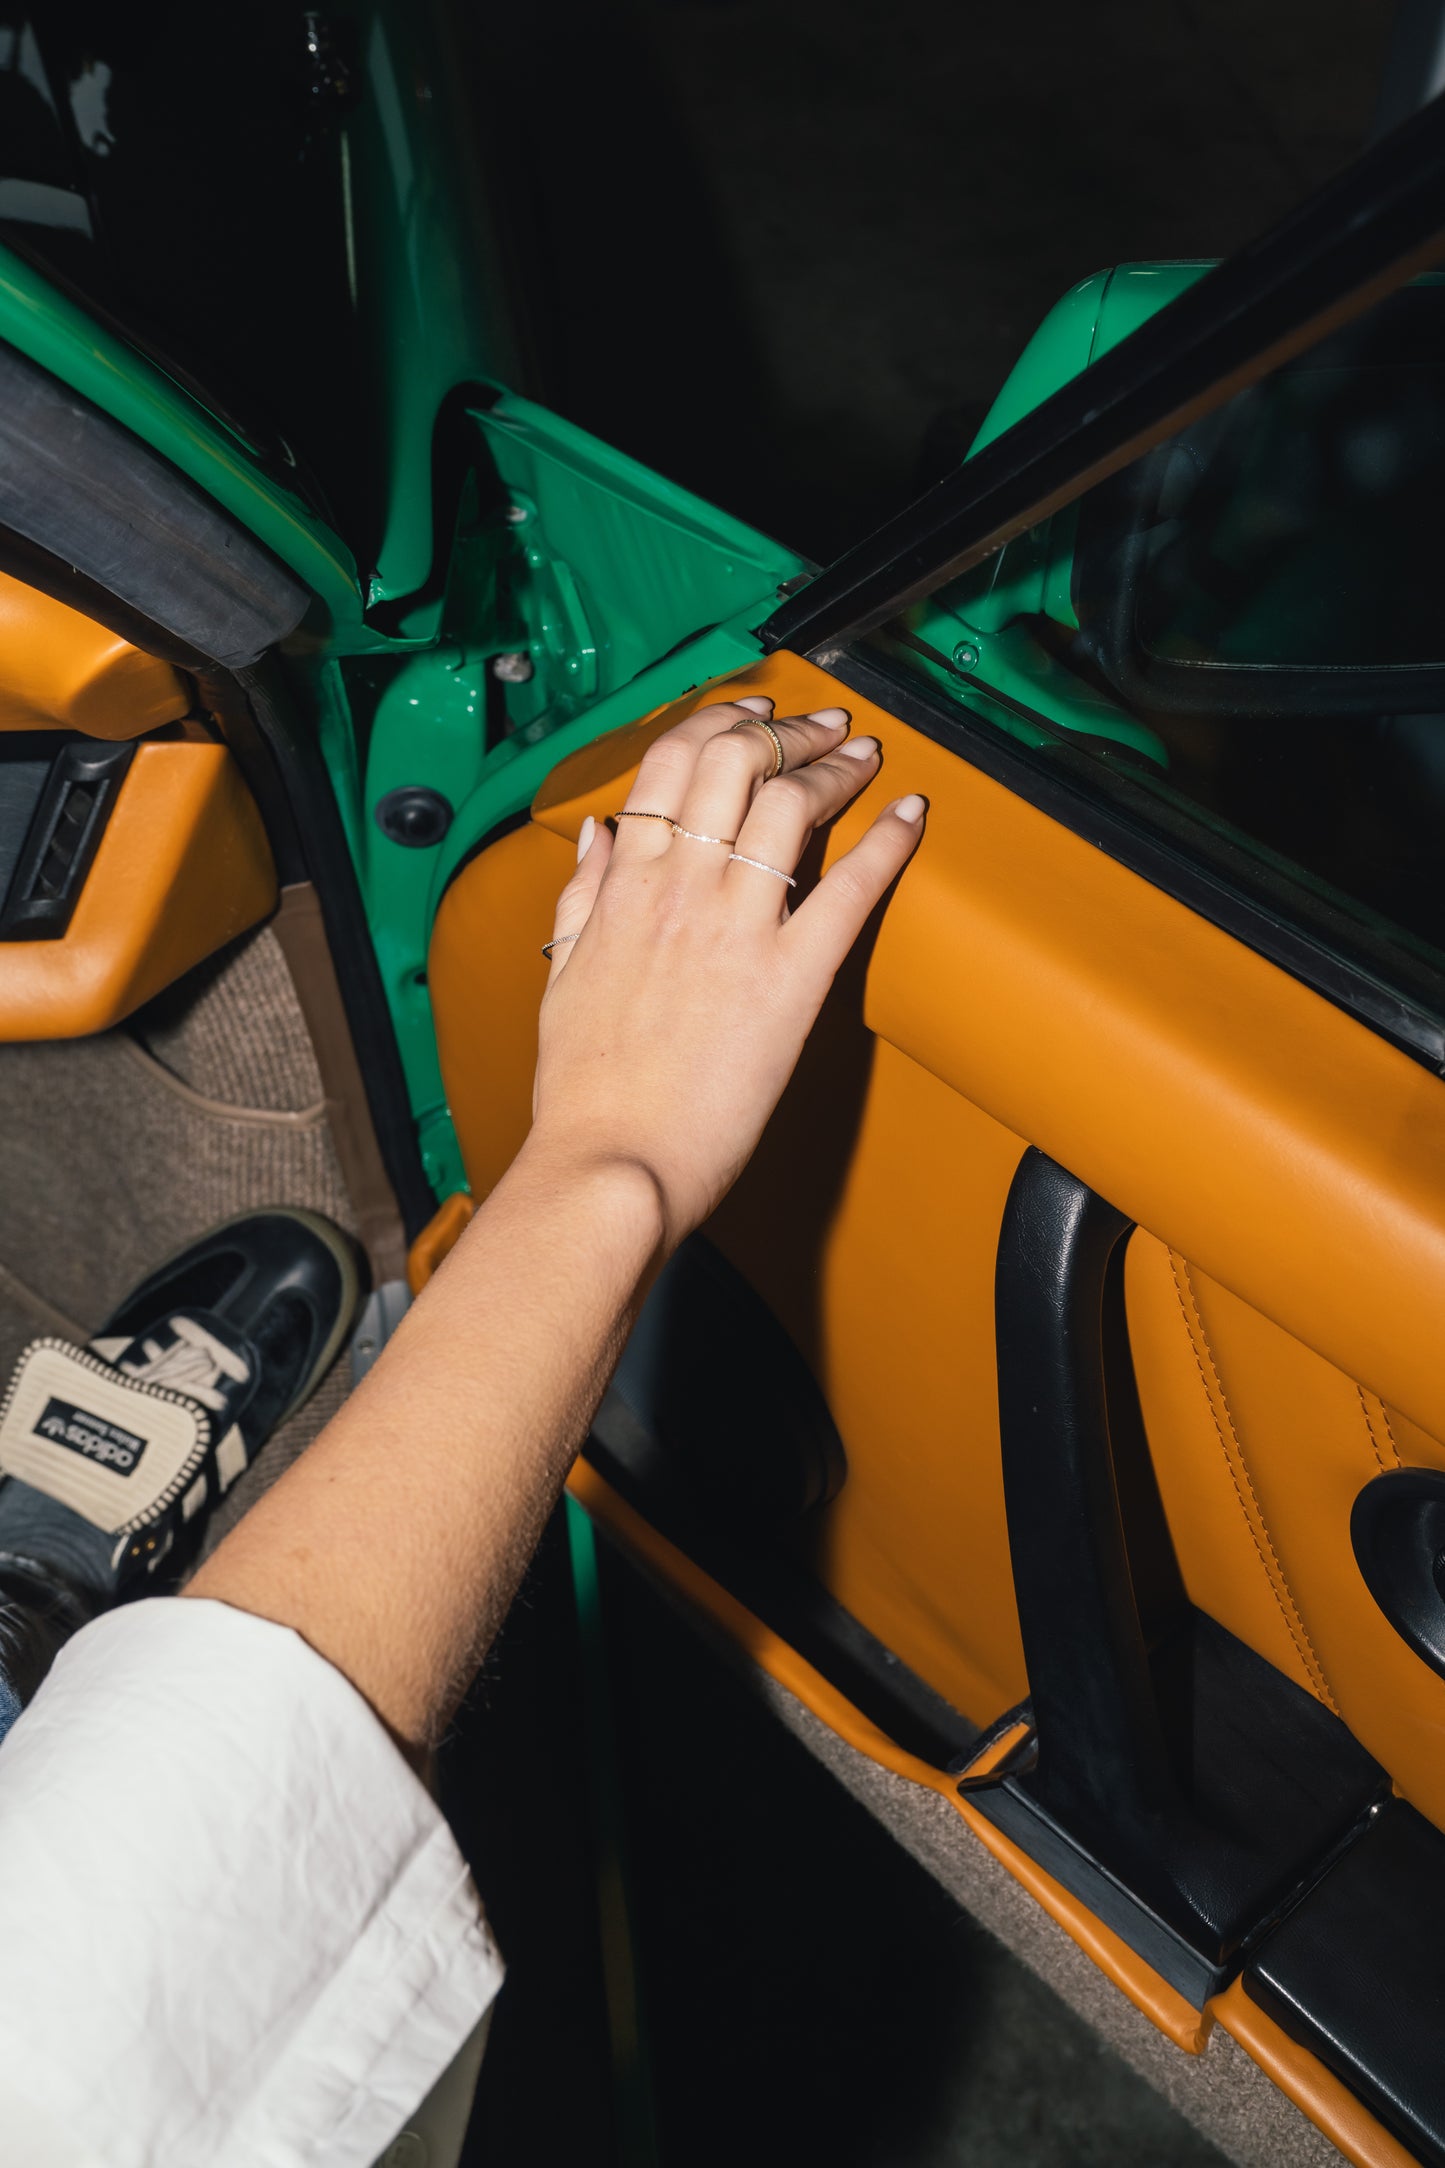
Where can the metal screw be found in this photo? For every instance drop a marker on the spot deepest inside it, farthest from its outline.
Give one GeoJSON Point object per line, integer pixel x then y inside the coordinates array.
{"type": "Point", "coordinates": [513, 669]}
{"type": "Point", "coordinates": [965, 655]}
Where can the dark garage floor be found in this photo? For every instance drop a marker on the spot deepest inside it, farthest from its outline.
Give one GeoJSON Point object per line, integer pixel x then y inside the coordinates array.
{"type": "Point", "coordinates": [809, 1994]}
{"type": "Point", "coordinates": [786, 250]}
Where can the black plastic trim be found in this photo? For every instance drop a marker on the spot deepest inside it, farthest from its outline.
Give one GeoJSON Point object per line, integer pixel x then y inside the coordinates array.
{"type": "Point", "coordinates": [1397, 1529]}
{"type": "Point", "coordinates": [1133, 827]}
{"type": "Point", "coordinates": [88, 493]}
{"type": "Point", "coordinates": [1356, 1976]}
{"type": "Point", "coordinates": [1182, 1787]}
{"type": "Point", "coordinates": [33, 911]}
{"type": "Point", "coordinates": [1354, 240]}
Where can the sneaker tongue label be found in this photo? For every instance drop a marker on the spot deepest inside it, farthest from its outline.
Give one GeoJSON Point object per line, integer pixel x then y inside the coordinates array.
{"type": "Point", "coordinates": [114, 1449]}
{"type": "Point", "coordinates": [93, 1435]}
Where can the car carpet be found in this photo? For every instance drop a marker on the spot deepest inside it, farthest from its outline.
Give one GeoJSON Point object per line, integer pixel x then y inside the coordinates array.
{"type": "Point", "coordinates": [1222, 2092]}
{"type": "Point", "coordinates": [119, 1149]}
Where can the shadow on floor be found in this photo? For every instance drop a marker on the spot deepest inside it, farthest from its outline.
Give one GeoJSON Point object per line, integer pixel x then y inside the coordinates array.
{"type": "Point", "coordinates": [809, 1993]}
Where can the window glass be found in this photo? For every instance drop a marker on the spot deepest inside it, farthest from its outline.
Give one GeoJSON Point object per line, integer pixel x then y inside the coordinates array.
{"type": "Point", "coordinates": [170, 164]}
{"type": "Point", "coordinates": [1251, 620]}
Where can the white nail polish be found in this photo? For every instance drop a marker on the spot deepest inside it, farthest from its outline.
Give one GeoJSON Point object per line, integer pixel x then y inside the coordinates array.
{"type": "Point", "coordinates": [584, 838]}
{"type": "Point", "coordinates": [830, 718]}
{"type": "Point", "coordinates": [858, 749]}
{"type": "Point", "coordinates": [911, 809]}
{"type": "Point", "coordinates": [759, 703]}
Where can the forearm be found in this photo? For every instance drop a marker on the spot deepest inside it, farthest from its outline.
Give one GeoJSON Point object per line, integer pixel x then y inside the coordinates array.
{"type": "Point", "coordinates": [395, 1545]}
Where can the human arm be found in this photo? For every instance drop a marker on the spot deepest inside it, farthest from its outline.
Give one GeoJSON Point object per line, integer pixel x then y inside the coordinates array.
{"type": "Point", "coordinates": [669, 1028]}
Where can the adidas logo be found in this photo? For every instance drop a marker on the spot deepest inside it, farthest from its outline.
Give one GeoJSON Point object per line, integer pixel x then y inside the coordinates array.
{"type": "Point", "coordinates": [93, 1436]}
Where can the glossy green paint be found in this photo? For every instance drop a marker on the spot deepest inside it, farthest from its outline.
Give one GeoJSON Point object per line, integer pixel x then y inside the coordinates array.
{"type": "Point", "coordinates": [975, 634]}
{"type": "Point", "coordinates": [620, 589]}
{"type": "Point", "coordinates": [425, 278]}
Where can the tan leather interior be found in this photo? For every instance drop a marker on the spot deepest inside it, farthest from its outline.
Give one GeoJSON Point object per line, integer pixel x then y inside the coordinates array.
{"type": "Point", "coordinates": [1312, 2088]}
{"type": "Point", "coordinates": [182, 868]}
{"type": "Point", "coordinates": [438, 1238]}
{"type": "Point", "coordinates": [62, 671]}
{"type": "Point", "coordinates": [1285, 1166]}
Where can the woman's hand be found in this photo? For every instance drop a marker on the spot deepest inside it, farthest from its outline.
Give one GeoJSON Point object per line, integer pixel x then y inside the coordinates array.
{"type": "Point", "coordinates": [682, 985]}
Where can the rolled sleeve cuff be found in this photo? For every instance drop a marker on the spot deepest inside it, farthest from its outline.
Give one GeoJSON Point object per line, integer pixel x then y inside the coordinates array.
{"type": "Point", "coordinates": [237, 1927]}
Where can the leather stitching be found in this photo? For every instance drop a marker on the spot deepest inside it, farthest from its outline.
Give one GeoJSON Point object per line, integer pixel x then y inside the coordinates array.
{"type": "Point", "coordinates": [1238, 1467]}
{"type": "Point", "coordinates": [1370, 1427]}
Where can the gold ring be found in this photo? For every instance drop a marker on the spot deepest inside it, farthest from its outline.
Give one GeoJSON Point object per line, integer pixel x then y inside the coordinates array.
{"type": "Point", "coordinates": [776, 871]}
{"type": "Point", "coordinates": [556, 942]}
{"type": "Point", "coordinates": [693, 836]}
{"type": "Point", "coordinates": [635, 813]}
{"type": "Point", "coordinates": [755, 722]}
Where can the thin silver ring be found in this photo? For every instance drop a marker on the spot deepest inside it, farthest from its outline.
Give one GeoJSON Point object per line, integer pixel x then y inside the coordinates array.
{"type": "Point", "coordinates": [693, 836]}
{"type": "Point", "coordinates": [556, 942]}
{"type": "Point", "coordinates": [758, 866]}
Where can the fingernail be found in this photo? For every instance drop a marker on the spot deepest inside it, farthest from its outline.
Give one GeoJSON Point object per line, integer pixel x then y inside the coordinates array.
{"type": "Point", "coordinates": [858, 749]}
{"type": "Point", "coordinates": [759, 703]}
{"type": "Point", "coordinates": [831, 718]}
{"type": "Point", "coordinates": [584, 838]}
{"type": "Point", "coordinates": [912, 808]}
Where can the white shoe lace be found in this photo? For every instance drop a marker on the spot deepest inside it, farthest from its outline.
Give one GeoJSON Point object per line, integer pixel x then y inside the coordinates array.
{"type": "Point", "coordinates": [194, 1363]}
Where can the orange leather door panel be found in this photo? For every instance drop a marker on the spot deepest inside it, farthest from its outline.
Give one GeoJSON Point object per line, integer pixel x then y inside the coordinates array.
{"type": "Point", "coordinates": [1261, 1449]}
{"type": "Point", "coordinates": [62, 671]}
{"type": "Point", "coordinates": [182, 868]}
{"type": "Point", "coordinates": [1025, 988]}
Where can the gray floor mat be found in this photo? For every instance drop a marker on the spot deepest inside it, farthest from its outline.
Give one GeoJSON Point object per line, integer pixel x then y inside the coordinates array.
{"type": "Point", "coordinates": [117, 1150]}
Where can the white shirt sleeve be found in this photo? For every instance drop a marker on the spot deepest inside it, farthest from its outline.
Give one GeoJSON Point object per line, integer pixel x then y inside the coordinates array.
{"type": "Point", "coordinates": [234, 1927]}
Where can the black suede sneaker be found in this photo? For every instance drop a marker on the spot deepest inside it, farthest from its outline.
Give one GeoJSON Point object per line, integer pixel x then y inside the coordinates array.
{"type": "Point", "coordinates": [113, 1454]}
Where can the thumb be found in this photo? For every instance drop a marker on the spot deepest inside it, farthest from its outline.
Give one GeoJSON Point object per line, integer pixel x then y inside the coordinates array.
{"type": "Point", "coordinates": [574, 905]}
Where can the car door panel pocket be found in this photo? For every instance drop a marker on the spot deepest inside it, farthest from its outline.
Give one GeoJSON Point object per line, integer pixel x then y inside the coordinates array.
{"type": "Point", "coordinates": [715, 1430]}
{"type": "Point", "coordinates": [1179, 1785]}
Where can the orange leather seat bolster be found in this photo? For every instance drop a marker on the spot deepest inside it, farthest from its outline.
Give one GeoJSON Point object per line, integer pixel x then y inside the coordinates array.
{"type": "Point", "coordinates": [1285, 1149]}
{"type": "Point", "coordinates": [62, 671]}
{"type": "Point", "coordinates": [438, 1239]}
{"type": "Point", "coordinates": [183, 867]}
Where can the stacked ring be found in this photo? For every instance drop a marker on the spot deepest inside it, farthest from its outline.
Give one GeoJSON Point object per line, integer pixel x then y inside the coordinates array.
{"type": "Point", "coordinates": [755, 722]}
{"type": "Point", "coordinates": [692, 834]}
{"type": "Point", "coordinates": [738, 859]}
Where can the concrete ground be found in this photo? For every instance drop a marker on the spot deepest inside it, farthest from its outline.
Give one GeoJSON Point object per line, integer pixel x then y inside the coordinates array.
{"type": "Point", "coordinates": [786, 251]}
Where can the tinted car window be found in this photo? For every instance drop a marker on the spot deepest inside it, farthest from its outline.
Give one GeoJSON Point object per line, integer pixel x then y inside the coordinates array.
{"type": "Point", "coordinates": [1251, 619]}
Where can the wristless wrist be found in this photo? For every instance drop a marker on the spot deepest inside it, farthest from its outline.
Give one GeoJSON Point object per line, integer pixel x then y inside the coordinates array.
{"type": "Point", "coordinates": [609, 1192]}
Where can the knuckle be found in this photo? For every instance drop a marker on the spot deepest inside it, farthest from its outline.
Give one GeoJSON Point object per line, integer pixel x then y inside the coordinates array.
{"type": "Point", "coordinates": [729, 753]}
{"type": "Point", "coordinates": [669, 756]}
{"type": "Point", "coordinates": [851, 885]}
{"type": "Point", "coordinates": [789, 794]}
